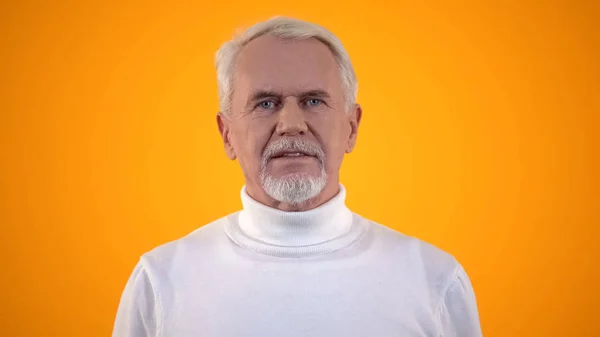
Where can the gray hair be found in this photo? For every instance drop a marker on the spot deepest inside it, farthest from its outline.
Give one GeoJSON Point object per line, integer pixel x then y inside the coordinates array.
{"type": "Point", "coordinates": [286, 28]}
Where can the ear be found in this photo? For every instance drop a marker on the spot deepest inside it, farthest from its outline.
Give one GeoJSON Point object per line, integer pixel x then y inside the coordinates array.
{"type": "Point", "coordinates": [224, 129]}
{"type": "Point", "coordinates": [354, 119]}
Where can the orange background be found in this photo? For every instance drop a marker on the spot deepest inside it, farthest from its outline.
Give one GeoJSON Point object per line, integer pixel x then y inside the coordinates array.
{"type": "Point", "coordinates": [479, 135]}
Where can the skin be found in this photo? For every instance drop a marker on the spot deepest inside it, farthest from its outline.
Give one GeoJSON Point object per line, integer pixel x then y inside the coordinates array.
{"type": "Point", "coordinates": [288, 88]}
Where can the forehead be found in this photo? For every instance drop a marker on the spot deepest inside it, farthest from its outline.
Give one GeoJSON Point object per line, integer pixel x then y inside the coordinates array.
{"type": "Point", "coordinates": [272, 63]}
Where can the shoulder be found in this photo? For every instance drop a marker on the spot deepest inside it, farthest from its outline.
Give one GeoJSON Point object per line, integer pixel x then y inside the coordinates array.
{"type": "Point", "coordinates": [198, 245]}
{"type": "Point", "coordinates": [432, 265]}
{"type": "Point", "coordinates": [406, 246]}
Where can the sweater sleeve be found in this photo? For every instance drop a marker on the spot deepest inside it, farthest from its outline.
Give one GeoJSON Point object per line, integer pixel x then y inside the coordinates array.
{"type": "Point", "coordinates": [457, 312]}
{"type": "Point", "coordinates": [138, 314]}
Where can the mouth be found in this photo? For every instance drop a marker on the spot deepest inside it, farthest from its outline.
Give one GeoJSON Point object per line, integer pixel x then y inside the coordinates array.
{"type": "Point", "coordinates": [291, 154]}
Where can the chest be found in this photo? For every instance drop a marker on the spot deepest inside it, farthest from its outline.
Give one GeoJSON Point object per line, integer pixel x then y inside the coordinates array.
{"type": "Point", "coordinates": [300, 304]}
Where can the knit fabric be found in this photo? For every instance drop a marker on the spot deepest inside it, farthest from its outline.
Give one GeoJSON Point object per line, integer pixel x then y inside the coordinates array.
{"type": "Point", "coordinates": [326, 272]}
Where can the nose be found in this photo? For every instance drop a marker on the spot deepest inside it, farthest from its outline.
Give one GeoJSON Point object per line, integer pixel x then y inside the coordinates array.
{"type": "Point", "coordinates": [291, 119]}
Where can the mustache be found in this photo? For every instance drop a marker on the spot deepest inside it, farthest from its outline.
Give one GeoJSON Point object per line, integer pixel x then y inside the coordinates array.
{"type": "Point", "coordinates": [293, 144]}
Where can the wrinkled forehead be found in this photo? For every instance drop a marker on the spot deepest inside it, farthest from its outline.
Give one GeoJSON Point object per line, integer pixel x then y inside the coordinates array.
{"type": "Point", "coordinates": [286, 66]}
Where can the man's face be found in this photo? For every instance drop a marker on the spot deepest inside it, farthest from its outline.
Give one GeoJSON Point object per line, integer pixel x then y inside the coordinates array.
{"type": "Point", "coordinates": [289, 124]}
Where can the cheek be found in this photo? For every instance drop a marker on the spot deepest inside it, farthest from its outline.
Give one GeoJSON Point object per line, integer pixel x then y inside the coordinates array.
{"type": "Point", "coordinates": [336, 137]}
{"type": "Point", "coordinates": [250, 142]}
{"type": "Point", "coordinates": [333, 136]}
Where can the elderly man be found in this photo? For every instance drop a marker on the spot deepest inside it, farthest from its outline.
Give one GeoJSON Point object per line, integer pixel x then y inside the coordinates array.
{"type": "Point", "coordinates": [295, 261]}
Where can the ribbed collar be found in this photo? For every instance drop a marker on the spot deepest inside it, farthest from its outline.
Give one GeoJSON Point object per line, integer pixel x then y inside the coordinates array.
{"type": "Point", "coordinates": [326, 228]}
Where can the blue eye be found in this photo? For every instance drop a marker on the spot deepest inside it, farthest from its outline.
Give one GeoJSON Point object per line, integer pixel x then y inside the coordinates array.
{"type": "Point", "coordinates": [266, 104]}
{"type": "Point", "coordinates": [313, 102]}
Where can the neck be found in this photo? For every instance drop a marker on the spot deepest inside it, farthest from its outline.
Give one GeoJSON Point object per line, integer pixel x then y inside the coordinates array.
{"type": "Point", "coordinates": [320, 229]}
{"type": "Point", "coordinates": [256, 192]}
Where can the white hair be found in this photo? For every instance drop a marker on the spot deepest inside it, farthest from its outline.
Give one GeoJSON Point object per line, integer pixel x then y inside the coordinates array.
{"type": "Point", "coordinates": [286, 28]}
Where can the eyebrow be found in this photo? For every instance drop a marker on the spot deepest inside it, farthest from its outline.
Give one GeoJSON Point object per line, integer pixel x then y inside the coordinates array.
{"type": "Point", "coordinates": [262, 94]}
{"type": "Point", "coordinates": [315, 93]}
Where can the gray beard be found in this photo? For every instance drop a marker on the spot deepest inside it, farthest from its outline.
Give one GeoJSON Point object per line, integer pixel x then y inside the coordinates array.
{"type": "Point", "coordinates": [295, 188]}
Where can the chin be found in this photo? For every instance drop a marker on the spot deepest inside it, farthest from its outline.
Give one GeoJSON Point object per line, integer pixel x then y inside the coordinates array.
{"type": "Point", "coordinates": [294, 188]}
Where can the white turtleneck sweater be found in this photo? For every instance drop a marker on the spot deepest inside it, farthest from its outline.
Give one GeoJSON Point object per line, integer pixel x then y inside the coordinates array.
{"type": "Point", "coordinates": [326, 272]}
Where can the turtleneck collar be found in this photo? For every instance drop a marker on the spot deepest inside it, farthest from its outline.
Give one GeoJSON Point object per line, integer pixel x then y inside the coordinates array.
{"type": "Point", "coordinates": [323, 229]}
